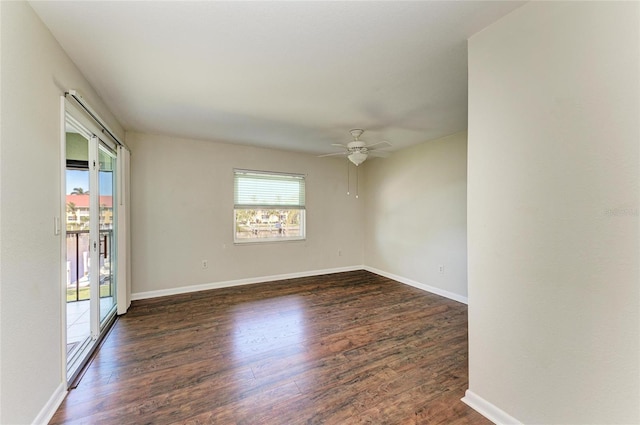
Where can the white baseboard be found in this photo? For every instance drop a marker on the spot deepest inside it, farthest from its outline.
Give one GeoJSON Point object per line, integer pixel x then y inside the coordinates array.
{"type": "Point", "coordinates": [238, 282]}
{"type": "Point", "coordinates": [52, 405]}
{"type": "Point", "coordinates": [488, 410]}
{"type": "Point", "coordinates": [261, 279]}
{"type": "Point", "coordinates": [432, 289]}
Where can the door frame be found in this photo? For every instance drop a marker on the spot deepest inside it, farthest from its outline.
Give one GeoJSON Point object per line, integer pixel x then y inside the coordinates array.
{"type": "Point", "coordinates": [97, 329]}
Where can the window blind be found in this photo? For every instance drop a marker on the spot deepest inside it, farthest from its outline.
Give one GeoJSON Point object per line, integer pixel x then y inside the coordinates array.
{"type": "Point", "coordinates": [261, 189]}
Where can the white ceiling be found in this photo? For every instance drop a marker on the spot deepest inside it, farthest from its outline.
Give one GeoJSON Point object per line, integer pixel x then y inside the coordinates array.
{"type": "Point", "coordinates": [290, 75]}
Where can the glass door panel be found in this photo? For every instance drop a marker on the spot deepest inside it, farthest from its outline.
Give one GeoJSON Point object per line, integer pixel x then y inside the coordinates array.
{"type": "Point", "coordinates": [77, 223]}
{"type": "Point", "coordinates": [106, 178]}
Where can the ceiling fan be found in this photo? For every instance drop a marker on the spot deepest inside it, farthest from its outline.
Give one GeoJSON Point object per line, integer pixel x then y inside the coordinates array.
{"type": "Point", "coordinates": [358, 151]}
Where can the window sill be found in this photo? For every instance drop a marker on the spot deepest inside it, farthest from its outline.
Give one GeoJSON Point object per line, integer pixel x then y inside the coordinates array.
{"type": "Point", "coordinates": [267, 241]}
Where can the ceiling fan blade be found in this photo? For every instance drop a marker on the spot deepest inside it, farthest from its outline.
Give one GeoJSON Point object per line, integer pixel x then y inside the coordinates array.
{"type": "Point", "coordinates": [379, 153]}
{"type": "Point", "coordinates": [334, 154]}
{"type": "Point", "coordinates": [340, 145]}
{"type": "Point", "coordinates": [384, 142]}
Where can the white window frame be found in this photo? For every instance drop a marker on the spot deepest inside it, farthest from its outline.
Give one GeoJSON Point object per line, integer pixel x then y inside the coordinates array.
{"type": "Point", "coordinates": [265, 202]}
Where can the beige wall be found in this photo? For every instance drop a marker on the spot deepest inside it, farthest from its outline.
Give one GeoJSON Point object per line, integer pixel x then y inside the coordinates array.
{"type": "Point", "coordinates": [553, 220]}
{"type": "Point", "coordinates": [182, 213]}
{"type": "Point", "coordinates": [35, 73]}
{"type": "Point", "coordinates": [415, 215]}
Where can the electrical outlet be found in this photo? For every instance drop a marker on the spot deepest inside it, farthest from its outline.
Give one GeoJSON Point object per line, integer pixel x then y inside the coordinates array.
{"type": "Point", "coordinates": [441, 268]}
{"type": "Point", "coordinates": [205, 264]}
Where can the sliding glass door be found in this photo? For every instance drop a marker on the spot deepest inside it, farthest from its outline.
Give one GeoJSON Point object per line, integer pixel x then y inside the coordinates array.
{"type": "Point", "coordinates": [78, 261]}
{"type": "Point", "coordinates": [90, 234]}
{"type": "Point", "coordinates": [106, 208]}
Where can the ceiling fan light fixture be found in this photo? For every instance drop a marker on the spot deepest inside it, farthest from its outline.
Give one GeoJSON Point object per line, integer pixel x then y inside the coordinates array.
{"type": "Point", "coordinates": [357, 158]}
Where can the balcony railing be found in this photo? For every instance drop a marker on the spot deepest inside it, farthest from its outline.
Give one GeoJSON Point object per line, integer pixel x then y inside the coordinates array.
{"type": "Point", "coordinates": [79, 264]}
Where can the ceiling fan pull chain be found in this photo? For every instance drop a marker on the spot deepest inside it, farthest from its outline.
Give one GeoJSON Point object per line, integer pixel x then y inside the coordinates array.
{"type": "Point", "coordinates": [357, 172]}
{"type": "Point", "coordinates": [348, 179]}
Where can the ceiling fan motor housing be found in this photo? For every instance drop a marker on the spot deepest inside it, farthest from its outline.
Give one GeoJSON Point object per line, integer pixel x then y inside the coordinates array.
{"type": "Point", "coordinates": [356, 145]}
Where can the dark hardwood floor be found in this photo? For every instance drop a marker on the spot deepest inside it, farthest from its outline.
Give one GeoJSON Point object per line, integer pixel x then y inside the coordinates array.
{"type": "Point", "coordinates": [345, 348]}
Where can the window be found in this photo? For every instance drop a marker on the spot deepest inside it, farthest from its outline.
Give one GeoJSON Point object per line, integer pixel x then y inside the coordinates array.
{"type": "Point", "coordinates": [268, 206]}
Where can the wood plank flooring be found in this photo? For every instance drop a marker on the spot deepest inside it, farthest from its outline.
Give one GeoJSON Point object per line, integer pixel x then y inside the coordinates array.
{"type": "Point", "coordinates": [344, 348]}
